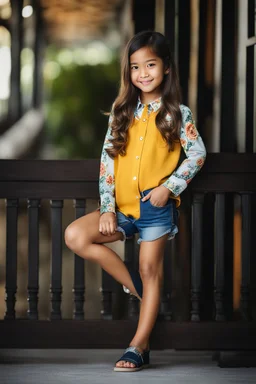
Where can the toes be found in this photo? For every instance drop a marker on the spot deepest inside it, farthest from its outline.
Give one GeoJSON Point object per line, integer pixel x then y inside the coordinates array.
{"type": "Point", "coordinates": [125, 364]}
{"type": "Point", "coordinates": [120, 363]}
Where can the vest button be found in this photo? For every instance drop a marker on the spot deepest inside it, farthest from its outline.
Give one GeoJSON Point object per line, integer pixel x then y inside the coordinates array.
{"type": "Point", "coordinates": [134, 178]}
{"type": "Point", "coordinates": [141, 138]}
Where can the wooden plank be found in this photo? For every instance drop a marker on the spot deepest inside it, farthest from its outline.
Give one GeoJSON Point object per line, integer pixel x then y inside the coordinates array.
{"type": "Point", "coordinates": [81, 170]}
{"type": "Point", "coordinates": [49, 170]}
{"type": "Point", "coordinates": [58, 190]}
{"type": "Point", "coordinates": [219, 183]}
{"type": "Point", "coordinates": [118, 333]}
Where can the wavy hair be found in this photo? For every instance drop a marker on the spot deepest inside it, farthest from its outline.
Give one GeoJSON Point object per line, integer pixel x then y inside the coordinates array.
{"type": "Point", "coordinates": [126, 101]}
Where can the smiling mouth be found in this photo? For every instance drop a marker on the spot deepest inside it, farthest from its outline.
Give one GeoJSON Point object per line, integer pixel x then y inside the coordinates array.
{"type": "Point", "coordinates": [146, 82]}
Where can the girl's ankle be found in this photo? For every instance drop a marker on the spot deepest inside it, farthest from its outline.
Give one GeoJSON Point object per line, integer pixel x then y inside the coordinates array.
{"type": "Point", "coordinates": [141, 347]}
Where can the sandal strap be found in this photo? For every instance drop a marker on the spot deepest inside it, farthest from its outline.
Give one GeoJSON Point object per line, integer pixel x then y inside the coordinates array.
{"type": "Point", "coordinates": [132, 355]}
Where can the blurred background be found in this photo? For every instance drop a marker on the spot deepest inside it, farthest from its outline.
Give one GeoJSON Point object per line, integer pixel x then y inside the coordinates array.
{"type": "Point", "coordinates": [60, 70]}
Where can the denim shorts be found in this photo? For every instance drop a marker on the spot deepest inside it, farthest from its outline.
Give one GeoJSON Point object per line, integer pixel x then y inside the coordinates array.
{"type": "Point", "coordinates": [154, 222]}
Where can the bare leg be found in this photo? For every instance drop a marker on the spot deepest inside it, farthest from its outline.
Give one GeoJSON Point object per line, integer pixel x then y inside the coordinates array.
{"type": "Point", "coordinates": [151, 271]}
{"type": "Point", "coordinates": [82, 236]}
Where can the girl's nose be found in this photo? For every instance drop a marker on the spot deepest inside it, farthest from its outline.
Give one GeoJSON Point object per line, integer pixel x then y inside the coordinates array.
{"type": "Point", "coordinates": [143, 74]}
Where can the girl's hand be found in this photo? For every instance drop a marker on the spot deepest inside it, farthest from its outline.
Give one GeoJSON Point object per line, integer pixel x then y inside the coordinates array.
{"type": "Point", "coordinates": [108, 224]}
{"type": "Point", "coordinates": [158, 196]}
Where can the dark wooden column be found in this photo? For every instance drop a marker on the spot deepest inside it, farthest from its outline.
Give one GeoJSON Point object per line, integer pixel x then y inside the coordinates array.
{"type": "Point", "coordinates": [250, 96]}
{"type": "Point", "coordinates": [38, 52]}
{"type": "Point", "coordinates": [183, 42]}
{"type": "Point", "coordinates": [169, 24]}
{"type": "Point", "coordinates": [228, 56]}
{"type": "Point", "coordinates": [144, 15]}
{"type": "Point", "coordinates": [250, 78]}
{"type": "Point", "coordinates": [205, 63]}
{"type": "Point", "coordinates": [16, 46]}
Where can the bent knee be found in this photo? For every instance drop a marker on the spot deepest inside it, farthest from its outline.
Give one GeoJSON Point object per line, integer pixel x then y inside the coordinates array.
{"type": "Point", "coordinates": [74, 238]}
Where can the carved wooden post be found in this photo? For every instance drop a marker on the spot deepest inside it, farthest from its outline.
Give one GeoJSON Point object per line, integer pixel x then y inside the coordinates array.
{"type": "Point", "coordinates": [56, 262]}
{"type": "Point", "coordinates": [106, 300]}
{"type": "Point", "coordinates": [165, 312]}
{"type": "Point", "coordinates": [33, 258]}
{"type": "Point", "coordinates": [11, 257]}
{"type": "Point", "coordinates": [196, 257]}
{"type": "Point", "coordinates": [79, 280]}
{"type": "Point", "coordinates": [219, 256]}
{"type": "Point", "coordinates": [246, 255]}
{"type": "Point", "coordinates": [131, 251]}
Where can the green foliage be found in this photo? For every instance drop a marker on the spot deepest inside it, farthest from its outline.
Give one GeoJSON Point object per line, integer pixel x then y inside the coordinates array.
{"type": "Point", "coordinates": [75, 124]}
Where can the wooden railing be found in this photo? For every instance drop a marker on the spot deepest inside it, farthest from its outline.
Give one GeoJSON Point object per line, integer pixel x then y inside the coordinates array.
{"type": "Point", "coordinates": [197, 302]}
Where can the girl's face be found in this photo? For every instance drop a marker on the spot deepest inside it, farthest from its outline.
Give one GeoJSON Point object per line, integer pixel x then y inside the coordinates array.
{"type": "Point", "coordinates": [147, 73]}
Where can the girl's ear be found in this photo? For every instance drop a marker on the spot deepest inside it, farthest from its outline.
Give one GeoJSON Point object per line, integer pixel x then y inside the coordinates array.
{"type": "Point", "coordinates": [167, 71]}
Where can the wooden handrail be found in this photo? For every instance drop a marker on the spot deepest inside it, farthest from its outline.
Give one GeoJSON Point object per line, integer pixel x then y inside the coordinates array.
{"type": "Point", "coordinates": [222, 172]}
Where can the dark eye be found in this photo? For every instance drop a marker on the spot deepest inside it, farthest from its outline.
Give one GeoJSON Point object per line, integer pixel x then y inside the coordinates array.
{"type": "Point", "coordinates": [151, 64]}
{"type": "Point", "coordinates": [133, 67]}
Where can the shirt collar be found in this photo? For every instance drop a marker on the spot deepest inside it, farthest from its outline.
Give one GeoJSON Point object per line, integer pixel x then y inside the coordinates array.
{"type": "Point", "coordinates": [153, 106]}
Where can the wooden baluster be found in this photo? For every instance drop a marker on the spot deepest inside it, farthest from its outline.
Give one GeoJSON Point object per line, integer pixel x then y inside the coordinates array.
{"type": "Point", "coordinates": [196, 255]}
{"type": "Point", "coordinates": [131, 261]}
{"type": "Point", "coordinates": [79, 280]}
{"type": "Point", "coordinates": [33, 258]}
{"type": "Point", "coordinates": [219, 250]}
{"type": "Point", "coordinates": [56, 262]}
{"type": "Point", "coordinates": [246, 255]}
{"type": "Point", "coordinates": [11, 257]}
{"type": "Point", "coordinates": [106, 296]}
{"type": "Point", "coordinates": [165, 312]}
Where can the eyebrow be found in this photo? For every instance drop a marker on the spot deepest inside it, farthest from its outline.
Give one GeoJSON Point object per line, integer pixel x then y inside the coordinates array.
{"type": "Point", "coordinates": [145, 61]}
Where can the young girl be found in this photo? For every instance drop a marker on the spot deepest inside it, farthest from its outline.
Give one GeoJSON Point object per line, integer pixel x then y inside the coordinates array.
{"type": "Point", "coordinates": [139, 184]}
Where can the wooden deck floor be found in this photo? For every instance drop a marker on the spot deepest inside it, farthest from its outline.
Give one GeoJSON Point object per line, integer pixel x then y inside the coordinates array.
{"type": "Point", "coordinates": [25, 366]}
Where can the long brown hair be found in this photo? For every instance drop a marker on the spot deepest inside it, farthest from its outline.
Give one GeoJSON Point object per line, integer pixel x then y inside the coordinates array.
{"type": "Point", "coordinates": [126, 101]}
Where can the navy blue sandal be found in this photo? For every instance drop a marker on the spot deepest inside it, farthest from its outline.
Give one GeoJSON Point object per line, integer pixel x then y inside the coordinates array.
{"type": "Point", "coordinates": [136, 279]}
{"type": "Point", "coordinates": [132, 355]}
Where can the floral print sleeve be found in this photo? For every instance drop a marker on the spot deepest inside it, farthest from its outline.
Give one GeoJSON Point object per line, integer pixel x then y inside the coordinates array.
{"type": "Point", "coordinates": [107, 178]}
{"type": "Point", "coordinates": [195, 151]}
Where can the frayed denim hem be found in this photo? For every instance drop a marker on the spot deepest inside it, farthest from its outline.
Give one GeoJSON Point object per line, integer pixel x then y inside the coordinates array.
{"type": "Point", "coordinates": [171, 236]}
{"type": "Point", "coordinates": [120, 229]}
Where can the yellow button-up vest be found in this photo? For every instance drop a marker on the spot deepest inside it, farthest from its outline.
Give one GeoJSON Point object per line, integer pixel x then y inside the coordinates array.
{"type": "Point", "coordinates": [147, 164]}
